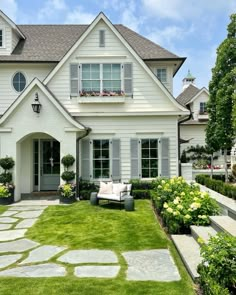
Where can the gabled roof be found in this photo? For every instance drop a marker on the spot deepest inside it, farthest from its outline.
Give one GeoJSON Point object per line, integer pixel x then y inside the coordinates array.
{"type": "Point", "coordinates": [186, 96]}
{"type": "Point", "coordinates": [50, 96]}
{"type": "Point", "coordinates": [51, 42]}
{"type": "Point", "coordinates": [12, 24]}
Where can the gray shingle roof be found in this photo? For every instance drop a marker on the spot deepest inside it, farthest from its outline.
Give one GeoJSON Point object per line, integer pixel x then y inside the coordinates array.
{"type": "Point", "coordinates": [185, 97]}
{"type": "Point", "coordinates": [50, 43]}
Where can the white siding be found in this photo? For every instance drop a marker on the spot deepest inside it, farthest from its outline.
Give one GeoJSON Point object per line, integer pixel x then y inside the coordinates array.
{"type": "Point", "coordinates": [126, 128]}
{"type": "Point", "coordinates": [7, 38]}
{"type": "Point", "coordinates": [7, 92]}
{"type": "Point", "coordinates": [147, 96]}
{"type": "Point", "coordinates": [196, 132]}
{"type": "Point", "coordinates": [195, 106]}
{"type": "Point", "coordinates": [15, 40]}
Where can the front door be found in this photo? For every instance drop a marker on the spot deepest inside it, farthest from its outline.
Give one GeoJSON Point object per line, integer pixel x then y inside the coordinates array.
{"type": "Point", "coordinates": [49, 164]}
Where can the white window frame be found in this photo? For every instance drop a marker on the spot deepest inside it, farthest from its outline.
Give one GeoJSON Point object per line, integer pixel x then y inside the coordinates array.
{"type": "Point", "coordinates": [13, 78]}
{"type": "Point", "coordinates": [161, 78]}
{"type": "Point", "coordinates": [204, 104]}
{"type": "Point", "coordinates": [2, 28]}
{"type": "Point", "coordinates": [92, 159]}
{"type": "Point", "coordinates": [101, 78]}
{"type": "Point", "coordinates": [158, 157]}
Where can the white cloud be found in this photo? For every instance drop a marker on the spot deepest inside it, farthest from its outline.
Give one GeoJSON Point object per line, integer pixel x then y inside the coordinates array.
{"type": "Point", "coordinates": [184, 10]}
{"type": "Point", "coordinates": [50, 8]}
{"type": "Point", "coordinates": [79, 16]}
{"type": "Point", "coordinates": [9, 7]}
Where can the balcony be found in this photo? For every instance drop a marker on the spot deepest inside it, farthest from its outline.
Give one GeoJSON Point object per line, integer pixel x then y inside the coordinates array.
{"type": "Point", "coordinates": [203, 116]}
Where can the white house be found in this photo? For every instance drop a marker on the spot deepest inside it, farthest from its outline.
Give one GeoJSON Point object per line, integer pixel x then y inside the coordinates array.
{"type": "Point", "coordinates": [106, 98]}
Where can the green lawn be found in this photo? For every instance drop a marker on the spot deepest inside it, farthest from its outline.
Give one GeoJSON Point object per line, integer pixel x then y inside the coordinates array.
{"type": "Point", "coordinates": [81, 226]}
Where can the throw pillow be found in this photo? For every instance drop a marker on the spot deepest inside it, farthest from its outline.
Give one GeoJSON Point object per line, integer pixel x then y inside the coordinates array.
{"type": "Point", "coordinates": [118, 188]}
{"type": "Point", "coordinates": [105, 188]}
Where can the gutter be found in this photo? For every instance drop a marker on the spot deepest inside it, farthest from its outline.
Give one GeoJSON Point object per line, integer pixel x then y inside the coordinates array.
{"type": "Point", "coordinates": [87, 131]}
{"type": "Point", "coordinates": [178, 131]}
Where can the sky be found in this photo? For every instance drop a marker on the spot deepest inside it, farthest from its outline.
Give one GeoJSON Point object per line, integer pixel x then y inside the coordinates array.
{"type": "Point", "coordinates": [188, 28]}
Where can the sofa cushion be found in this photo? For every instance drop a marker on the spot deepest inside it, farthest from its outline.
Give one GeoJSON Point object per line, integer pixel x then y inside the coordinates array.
{"type": "Point", "coordinates": [113, 197]}
{"type": "Point", "coordinates": [118, 188]}
{"type": "Point", "coordinates": [105, 188]}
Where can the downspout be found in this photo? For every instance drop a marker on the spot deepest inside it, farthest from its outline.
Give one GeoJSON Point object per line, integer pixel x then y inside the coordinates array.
{"type": "Point", "coordinates": [180, 122]}
{"type": "Point", "coordinates": [87, 131]}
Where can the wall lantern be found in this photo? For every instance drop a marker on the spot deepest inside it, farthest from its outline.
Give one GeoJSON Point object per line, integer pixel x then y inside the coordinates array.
{"type": "Point", "coordinates": [36, 105]}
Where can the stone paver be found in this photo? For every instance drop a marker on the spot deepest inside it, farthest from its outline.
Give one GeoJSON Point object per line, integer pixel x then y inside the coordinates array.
{"type": "Point", "coordinates": [12, 234]}
{"type": "Point", "coordinates": [36, 271]}
{"type": "Point", "coordinates": [89, 256]}
{"type": "Point", "coordinates": [26, 223]}
{"type": "Point", "coordinates": [29, 214]}
{"type": "Point", "coordinates": [17, 246]}
{"type": "Point", "coordinates": [7, 260]}
{"type": "Point", "coordinates": [26, 208]}
{"type": "Point", "coordinates": [93, 271]}
{"type": "Point", "coordinates": [153, 265]}
{"type": "Point", "coordinates": [5, 226]}
{"type": "Point", "coordinates": [8, 220]}
{"type": "Point", "coordinates": [42, 254]}
{"type": "Point", "coordinates": [8, 213]}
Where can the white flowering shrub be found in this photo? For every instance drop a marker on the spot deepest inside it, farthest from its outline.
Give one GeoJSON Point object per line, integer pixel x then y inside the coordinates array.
{"type": "Point", "coordinates": [181, 204]}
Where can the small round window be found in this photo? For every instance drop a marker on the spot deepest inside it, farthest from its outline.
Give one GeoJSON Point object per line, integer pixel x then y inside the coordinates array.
{"type": "Point", "coordinates": [19, 82]}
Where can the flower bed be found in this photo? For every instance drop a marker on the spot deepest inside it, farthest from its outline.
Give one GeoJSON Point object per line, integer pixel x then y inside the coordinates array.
{"type": "Point", "coordinates": [219, 186]}
{"type": "Point", "coordinates": [181, 205]}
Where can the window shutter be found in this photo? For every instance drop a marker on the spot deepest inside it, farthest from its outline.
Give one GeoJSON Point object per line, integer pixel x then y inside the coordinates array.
{"type": "Point", "coordinates": [134, 155]}
{"type": "Point", "coordinates": [128, 79]}
{"type": "Point", "coordinates": [74, 79]}
{"type": "Point", "coordinates": [116, 175]}
{"type": "Point", "coordinates": [85, 159]}
{"type": "Point", "coordinates": [101, 38]}
{"type": "Point", "coordinates": [165, 169]}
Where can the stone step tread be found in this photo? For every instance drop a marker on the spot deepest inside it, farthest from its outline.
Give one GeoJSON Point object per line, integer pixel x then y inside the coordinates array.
{"type": "Point", "coordinates": [189, 251]}
{"type": "Point", "coordinates": [224, 223]}
{"type": "Point", "coordinates": [203, 232]}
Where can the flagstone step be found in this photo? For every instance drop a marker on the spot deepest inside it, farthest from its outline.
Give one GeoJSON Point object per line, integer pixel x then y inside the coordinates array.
{"type": "Point", "coordinates": [189, 251]}
{"type": "Point", "coordinates": [202, 232]}
{"type": "Point", "coordinates": [224, 223]}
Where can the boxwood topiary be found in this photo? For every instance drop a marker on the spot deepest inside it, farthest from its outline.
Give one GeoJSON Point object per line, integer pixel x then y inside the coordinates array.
{"type": "Point", "coordinates": [5, 177]}
{"type": "Point", "coordinates": [7, 163]}
{"type": "Point", "coordinates": [68, 175]}
{"type": "Point", "coordinates": [68, 160]}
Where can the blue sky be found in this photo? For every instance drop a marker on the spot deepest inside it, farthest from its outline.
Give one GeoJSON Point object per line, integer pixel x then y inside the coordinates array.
{"type": "Point", "coordinates": [188, 28]}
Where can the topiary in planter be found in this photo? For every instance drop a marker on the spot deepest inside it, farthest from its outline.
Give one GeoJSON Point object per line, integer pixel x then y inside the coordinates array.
{"type": "Point", "coordinates": [68, 161]}
{"type": "Point", "coordinates": [5, 177]}
{"type": "Point", "coordinates": [68, 175]}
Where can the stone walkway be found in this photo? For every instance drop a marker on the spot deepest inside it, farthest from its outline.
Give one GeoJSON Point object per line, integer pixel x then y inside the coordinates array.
{"type": "Point", "coordinates": [21, 257]}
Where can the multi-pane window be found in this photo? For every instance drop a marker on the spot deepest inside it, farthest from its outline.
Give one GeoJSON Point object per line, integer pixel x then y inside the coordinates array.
{"type": "Point", "coordinates": [99, 79]}
{"type": "Point", "coordinates": [162, 75]}
{"type": "Point", "coordinates": [19, 82]}
{"type": "Point", "coordinates": [101, 159]}
{"type": "Point", "coordinates": [1, 38]}
{"type": "Point", "coordinates": [203, 108]}
{"type": "Point", "coordinates": [149, 156]}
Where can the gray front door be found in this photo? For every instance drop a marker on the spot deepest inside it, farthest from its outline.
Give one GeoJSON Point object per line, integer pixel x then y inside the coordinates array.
{"type": "Point", "coordinates": [50, 164]}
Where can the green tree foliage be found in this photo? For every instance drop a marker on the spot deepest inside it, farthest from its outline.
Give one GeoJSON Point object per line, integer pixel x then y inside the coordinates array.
{"type": "Point", "coordinates": [220, 129]}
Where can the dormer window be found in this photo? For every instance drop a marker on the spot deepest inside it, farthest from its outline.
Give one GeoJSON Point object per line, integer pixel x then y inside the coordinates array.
{"type": "Point", "coordinates": [1, 37]}
{"type": "Point", "coordinates": [102, 38]}
{"type": "Point", "coordinates": [203, 108]}
{"type": "Point", "coordinates": [162, 75]}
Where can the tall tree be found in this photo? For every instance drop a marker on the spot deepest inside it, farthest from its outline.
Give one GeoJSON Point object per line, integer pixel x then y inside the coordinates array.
{"type": "Point", "coordinates": [220, 130]}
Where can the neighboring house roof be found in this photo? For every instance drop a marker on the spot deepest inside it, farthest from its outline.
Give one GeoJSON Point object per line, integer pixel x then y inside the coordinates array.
{"type": "Point", "coordinates": [50, 43]}
{"type": "Point", "coordinates": [194, 122]}
{"type": "Point", "coordinates": [12, 24]}
{"type": "Point", "coordinates": [186, 96]}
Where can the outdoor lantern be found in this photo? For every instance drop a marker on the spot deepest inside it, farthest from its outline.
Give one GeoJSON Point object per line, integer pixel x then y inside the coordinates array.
{"type": "Point", "coordinates": [36, 105]}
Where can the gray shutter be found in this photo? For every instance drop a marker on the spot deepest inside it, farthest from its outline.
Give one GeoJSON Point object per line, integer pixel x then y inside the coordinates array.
{"type": "Point", "coordinates": [85, 159]}
{"type": "Point", "coordinates": [116, 175]}
{"type": "Point", "coordinates": [134, 156]}
{"type": "Point", "coordinates": [74, 79]}
{"type": "Point", "coordinates": [128, 79]}
{"type": "Point", "coordinates": [165, 157]}
{"type": "Point", "coordinates": [101, 38]}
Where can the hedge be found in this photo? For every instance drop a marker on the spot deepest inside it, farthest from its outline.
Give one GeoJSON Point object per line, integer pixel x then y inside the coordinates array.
{"type": "Point", "coordinates": [219, 186]}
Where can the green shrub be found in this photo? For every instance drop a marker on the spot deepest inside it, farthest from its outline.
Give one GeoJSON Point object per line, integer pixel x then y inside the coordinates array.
{"type": "Point", "coordinates": [68, 176]}
{"type": "Point", "coordinates": [6, 177]}
{"type": "Point", "coordinates": [87, 185]}
{"type": "Point", "coordinates": [217, 185]}
{"type": "Point", "coordinates": [141, 194]}
{"type": "Point", "coordinates": [218, 267]}
{"type": "Point", "coordinates": [7, 163]}
{"type": "Point", "coordinates": [85, 194]}
{"type": "Point", "coordinates": [138, 184]}
{"type": "Point", "coordinates": [68, 160]}
{"type": "Point", "coordinates": [181, 204]}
